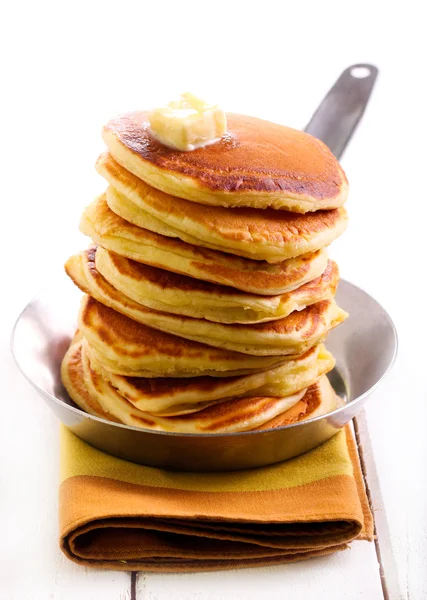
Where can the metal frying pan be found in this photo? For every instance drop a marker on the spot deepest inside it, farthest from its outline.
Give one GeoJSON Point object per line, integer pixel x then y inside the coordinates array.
{"type": "Point", "coordinates": [364, 346]}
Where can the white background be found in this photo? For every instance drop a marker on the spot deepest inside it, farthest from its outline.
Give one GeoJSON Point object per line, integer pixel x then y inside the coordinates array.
{"type": "Point", "coordinates": [67, 67]}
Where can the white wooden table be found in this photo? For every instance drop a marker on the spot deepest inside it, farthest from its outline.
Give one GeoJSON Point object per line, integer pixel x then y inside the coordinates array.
{"type": "Point", "coordinates": [69, 67]}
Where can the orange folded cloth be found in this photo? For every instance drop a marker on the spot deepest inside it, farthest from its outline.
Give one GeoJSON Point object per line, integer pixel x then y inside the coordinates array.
{"type": "Point", "coordinates": [119, 515]}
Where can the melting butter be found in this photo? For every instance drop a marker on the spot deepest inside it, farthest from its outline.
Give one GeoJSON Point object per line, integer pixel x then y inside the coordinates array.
{"type": "Point", "coordinates": [188, 123]}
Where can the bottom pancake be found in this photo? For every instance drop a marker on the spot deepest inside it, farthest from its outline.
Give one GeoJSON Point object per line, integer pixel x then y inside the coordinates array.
{"type": "Point", "coordinates": [94, 394]}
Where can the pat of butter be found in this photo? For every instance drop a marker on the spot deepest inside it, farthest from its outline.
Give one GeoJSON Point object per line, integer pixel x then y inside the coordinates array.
{"type": "Point", "coordinates": [188, 123]}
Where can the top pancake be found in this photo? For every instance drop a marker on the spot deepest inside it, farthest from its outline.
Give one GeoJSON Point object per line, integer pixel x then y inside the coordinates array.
{"type": "Point", "coordinates": [268, 235]}
{"type": "Point", "coordinates": [257, 164]}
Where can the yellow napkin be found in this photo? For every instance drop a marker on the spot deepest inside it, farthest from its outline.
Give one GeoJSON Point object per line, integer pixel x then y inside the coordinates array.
{"type": "Point", "coordinates": [119, 515]}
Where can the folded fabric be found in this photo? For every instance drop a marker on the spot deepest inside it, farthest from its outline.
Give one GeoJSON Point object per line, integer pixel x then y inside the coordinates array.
{"type": "Point", "coordinates": [119, 515]}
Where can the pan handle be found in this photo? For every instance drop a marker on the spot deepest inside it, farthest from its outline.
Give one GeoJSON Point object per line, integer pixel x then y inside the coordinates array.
{"type": "Point", "coordinates": [343, 106]}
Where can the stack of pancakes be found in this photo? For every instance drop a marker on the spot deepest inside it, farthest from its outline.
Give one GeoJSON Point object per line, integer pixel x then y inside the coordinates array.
{"type": "Point", "coordinates": [208, 290]}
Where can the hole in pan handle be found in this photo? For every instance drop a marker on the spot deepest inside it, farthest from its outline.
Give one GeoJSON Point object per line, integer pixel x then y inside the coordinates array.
{"type": "Point", "coordinates": [343, 106]}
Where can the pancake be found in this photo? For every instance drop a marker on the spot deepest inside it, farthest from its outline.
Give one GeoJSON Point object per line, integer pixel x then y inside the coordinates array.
{"type": "Point", "coordinates": [177, 294]}
{"type": "Point", "coordinates": [73, 380]}
{"type": "Point", "coordinates": [268, 235]}
{"type": "Point", "coordinates": [126, 347]}
{"type": "Point", "coordinates": [291, 335]}
{"type": "Point", "coordinates": [319, 399]}
{"type": "Point", "coordinates": [166, 397]}
{"type": "Point", "coordinates": [256, 277]}
{"type": "Point", "coordinates": [257, 163]}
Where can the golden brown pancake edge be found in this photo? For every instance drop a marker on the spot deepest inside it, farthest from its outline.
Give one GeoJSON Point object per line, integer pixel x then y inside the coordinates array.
{"type": "Point", "coordinates": [256, 163]}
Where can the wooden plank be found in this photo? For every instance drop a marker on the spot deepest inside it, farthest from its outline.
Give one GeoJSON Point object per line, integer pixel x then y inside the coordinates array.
{"type": "Point", "coordinates": [345, 576]}
{"type": "Point", "coordinates": [392, 586]}
{"type": "Point", "coordinates": [395, 452]}
{"type": "Point", "coordinates": [32, 566]}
